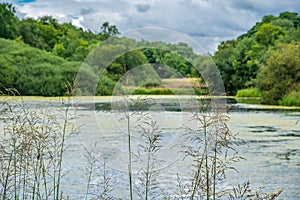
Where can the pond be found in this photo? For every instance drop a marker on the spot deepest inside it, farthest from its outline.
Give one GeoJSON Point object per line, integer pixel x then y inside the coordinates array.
{"type": "Point", "coordinates": [272, 138]}
{"type": "Point", "coordinates": [272, 152]}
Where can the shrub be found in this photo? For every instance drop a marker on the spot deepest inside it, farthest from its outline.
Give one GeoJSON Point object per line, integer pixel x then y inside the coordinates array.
{"type": "Point", "coordinates": [249, 92]}
{"type": "Point", "coordinates": [290, 99]}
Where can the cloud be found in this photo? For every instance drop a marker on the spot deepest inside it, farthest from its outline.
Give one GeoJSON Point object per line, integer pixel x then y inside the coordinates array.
{"type": "Point", "coordinates": [142, 7]}
{"type": "Point", "coordinates": [87, 11]}
{"type": "Point", "coordinates": [78, 22]}
{"type": "Point", "coordinates": [206, 21]}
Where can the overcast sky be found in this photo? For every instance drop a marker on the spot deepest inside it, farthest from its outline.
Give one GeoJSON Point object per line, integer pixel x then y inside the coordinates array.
{"type": "Point", "coordinates": [206, 21]}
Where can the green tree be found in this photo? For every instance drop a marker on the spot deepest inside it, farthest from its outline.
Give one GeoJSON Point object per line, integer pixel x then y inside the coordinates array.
{"type": "Point", "coordinates": [242, 64]}
{"type": "Point", "coordinates": [109, 30]}
{"type": "Point", "coordinates": [106, 85]}
{"type": "Point", "coordinates": [30, 33]}
{"type": "Point", "coordinates": [125, 63]}
{"type": "Point", "coordinates": [59, 49]}
{"type": "Point", "coordinates": [7, 74]}
{"type": "Point", "coordinates": [175, 61]}
{"type": "Point", "coordinates": [47, 30]}
{"type": "Point", "coordinates": [283, 23]}
{"type": "Point", "coordinates": [291, 16]}
{"type": "Point", "coordinates": [9, 22]}
{"type": "Point", "coordinates": [281, 72]}
{"type": "Point", "coordinates": [267, 34]}
{"type": "Point", "coordinates": [224, 58]}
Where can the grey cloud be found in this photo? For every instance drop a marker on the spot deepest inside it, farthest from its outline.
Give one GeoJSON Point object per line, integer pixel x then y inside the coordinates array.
{"type": "Point", "coordinates": [142, 7]}
{"type": "Point", "coordinates": [197, 34]}
{"type": "Point", "coordinates": [87, 11]}
{"type": "Point", "coordinates": [264, 7]}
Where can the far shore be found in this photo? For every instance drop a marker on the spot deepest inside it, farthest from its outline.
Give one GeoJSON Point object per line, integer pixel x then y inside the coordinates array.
{"type": "Point", "coordinates": [99, 99]}
{"type": "Point", "coordinates": [106, 98]}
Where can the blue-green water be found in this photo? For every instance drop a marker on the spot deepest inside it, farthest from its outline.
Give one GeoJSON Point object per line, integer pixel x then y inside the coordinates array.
{"type": "Point", "coordinates": [272, 148]}
{"type": "Point", "coordinates": [272, 151]}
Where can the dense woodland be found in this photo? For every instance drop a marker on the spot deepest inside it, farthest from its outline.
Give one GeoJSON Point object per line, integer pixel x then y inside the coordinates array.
{"type": "Point", "coordinates": [265, 61]}
{"type": "Point", "coordinates": [39, 56]}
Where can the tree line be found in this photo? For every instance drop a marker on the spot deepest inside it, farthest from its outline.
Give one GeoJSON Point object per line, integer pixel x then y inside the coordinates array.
{"type": "Point", "coordinates": [266, 59]}
{"type": "Point", "coordinates": [39, 56]}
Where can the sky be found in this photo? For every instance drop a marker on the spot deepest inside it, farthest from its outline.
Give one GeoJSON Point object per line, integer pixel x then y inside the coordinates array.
{"type": "Point", "coordinates": [208, 22]}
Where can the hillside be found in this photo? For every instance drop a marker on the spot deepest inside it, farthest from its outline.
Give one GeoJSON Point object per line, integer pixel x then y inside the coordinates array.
{"type": "Point", "coordinates": [33, 71]}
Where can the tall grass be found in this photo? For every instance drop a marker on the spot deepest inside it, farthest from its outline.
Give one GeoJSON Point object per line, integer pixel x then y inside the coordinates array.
{"type": "Point", "coordinates": [96, 169]}
{"type": "Point", "coordinates": [32, 148]}
{"type": "Point", "coordinates": [138, 119]}
{"type": "Point", "coordinates": [211, 147]}
{"type": "Point", "coordinates": [151, 136]}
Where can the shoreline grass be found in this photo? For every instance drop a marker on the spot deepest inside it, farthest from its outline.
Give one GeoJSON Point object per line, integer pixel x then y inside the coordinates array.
{"type": "Point", "coordinates": [249, 92]}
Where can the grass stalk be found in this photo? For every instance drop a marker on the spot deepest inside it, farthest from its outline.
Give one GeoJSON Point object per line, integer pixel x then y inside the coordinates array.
{"type": "Point", "coordinates": [215, 169]}
{"type": "Point", "coordinates": [147, 185]}
{"type": "Point", "coordinates": [207, 169]}
{"type": "Point", "coordinates": [62, 147]}
{"type": "Point", "coordinates": [90, 168]}
{"type": "Point", "coordinates": [5, 187]}
{"type": "Point", "coordinates": [129, 157]}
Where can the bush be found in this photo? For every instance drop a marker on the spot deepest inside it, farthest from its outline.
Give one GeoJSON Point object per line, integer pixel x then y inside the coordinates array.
{"type": "Point", "coordinates": [168, 91]}
{"type": "Point", "coordinates": [153, 91]}
{"type": "Point", "coordinates": [249, 92]}
{"type": "Point", "coordinates": [290, 99]}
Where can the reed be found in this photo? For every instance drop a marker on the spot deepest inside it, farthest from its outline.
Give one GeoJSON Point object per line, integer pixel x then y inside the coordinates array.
{"type": "Point", "coordinates": [32, 147]}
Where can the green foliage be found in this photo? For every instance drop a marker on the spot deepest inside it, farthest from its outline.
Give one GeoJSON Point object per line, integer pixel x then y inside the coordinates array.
{"type": "Point", "coordinates": [290, 99]}
{"type": "Point", "coordinates": [168, 91]}
{"type": "Point", "coordinates": [9, 22]}
{"type": "Point", "coordinates": [109, 30]}
{"type": "Point", "coordinates": [7, 74]}
{"type": "Point", "coordinates": [240, 61]}
{"type": "Point", "coordinates": [106, 85]}
{"type": "Point", "coordinates": [281, 72]}
{"type": "Point", "coordinates": [224, 59]}
{"type": "Point", "coordinates": [153, 91]}
{"type": "Point", "coordinates": [248, 92]}
{"type": "Point", "coordinates": [176, 62]}
{"type": "Point", "coordinates": [34, 72]}
{"type": "Point", "coordinates": [267, 34]}
{"type": "Point", "coordinates": [46, 33]}
{"type": "Point", "coordinates": [177, 56]}
{"type": "Point", "coordinates": [31, 70]}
